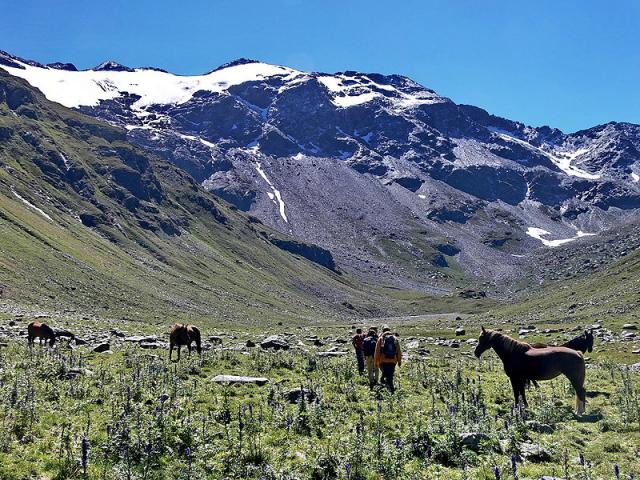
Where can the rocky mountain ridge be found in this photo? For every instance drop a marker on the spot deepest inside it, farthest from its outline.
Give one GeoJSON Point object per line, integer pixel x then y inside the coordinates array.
{"type": "Point", "coordinates": [397, 182]}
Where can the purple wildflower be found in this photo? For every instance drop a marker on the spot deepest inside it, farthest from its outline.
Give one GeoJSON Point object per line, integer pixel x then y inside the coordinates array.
{"type": "Point", "coordinates": [85, 454]}
{"type": "Point", "coordinates": [496, 472]}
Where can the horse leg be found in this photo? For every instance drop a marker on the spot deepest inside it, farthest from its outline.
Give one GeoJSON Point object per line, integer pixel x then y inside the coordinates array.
{"type": "Point", "coordinates": [189, 348]}
{"type": "Point", "coordinates": [581, 394]}
{"type": "Point", "coordinates": [170, 350]}
{"type": "Point", "coordinates": [518, 386]}
{"type": "Point", "coordinates": [179, 348]}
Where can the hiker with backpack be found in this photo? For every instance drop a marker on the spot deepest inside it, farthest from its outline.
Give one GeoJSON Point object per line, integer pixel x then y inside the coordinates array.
{"type": "Point", "coordinates": [369, 351]}
{"type": "Point", "coordinates": [358, 342]}
{"type": "Point", "coordinates": [388, 355]}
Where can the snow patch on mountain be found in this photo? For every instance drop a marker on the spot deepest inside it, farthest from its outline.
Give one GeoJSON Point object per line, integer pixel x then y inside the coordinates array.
{"type": "Point", "coordinates": [87, 88]}
{"type": "Point", "coordinates": [274, 195]}
{"type": "Point", "coordinates": [539, 233]}
{"type": "Point", "coordinates": [31, 205]}
{"type": "Point", "coordinates": [561, 158]}
{"type": "Point", "coordinates": [636, 177]}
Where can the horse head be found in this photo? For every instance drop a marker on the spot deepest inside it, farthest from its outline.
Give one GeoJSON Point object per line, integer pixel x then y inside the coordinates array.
{"type": "Point", "coordinates": [484, 342]}
{"type": "Point", "coordinates": [588, 334]}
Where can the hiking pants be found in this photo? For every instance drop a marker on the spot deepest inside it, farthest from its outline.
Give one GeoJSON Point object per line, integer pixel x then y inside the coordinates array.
{"type": "Point", "coordinates": [388, 369]}
{"type": "Point", "coordinates": [372, 370]}
{"type": "Point", "coordinates": [360, 360]}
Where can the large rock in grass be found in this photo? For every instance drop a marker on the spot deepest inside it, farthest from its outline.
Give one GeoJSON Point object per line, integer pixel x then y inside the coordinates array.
{"type": "Point", "coordinates": [101, 348]}
{"type": "Point", "coordinates": [230, 379]}
{"type": "Point", "coordinates": [473, 440]}
{"type": "Point", "coordinates": [275, 342]}
{"type": "Point", "coordinates": [295, 395]}
{"type": "Point", "coordinates": [534, 452]}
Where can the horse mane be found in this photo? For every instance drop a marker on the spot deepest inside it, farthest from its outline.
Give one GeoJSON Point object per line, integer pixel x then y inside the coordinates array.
{"type": "Point", "coordinates": [509, 344]}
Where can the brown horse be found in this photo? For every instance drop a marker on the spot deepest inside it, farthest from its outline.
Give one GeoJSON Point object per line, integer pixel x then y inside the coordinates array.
{"type": "Point", "coordinates": [582, 343]}
{"type": "Point", "coordinates": [182, 334]}
{"type": "Point", "coordinates": [42, 331]}
{"type": "Point", "coordinates": [523, 362]}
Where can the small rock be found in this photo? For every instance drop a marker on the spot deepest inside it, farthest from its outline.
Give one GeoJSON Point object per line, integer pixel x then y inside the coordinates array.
{"type": "Point", "coordinates": [216, 340]}
{"type": "Point", "coordinates": [332, 354]}
{"type": "Point", "coordinates": [250, 343]}
{"type": "Point", "coordinates": [240, 379]}
{"type": "Point", "coordinates": [460, 331]}
{"type": "Point", "coordinates": [629, 326]}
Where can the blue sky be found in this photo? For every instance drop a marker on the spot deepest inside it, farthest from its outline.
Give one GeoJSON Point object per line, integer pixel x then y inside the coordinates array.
{"type": "Point", "coordinates": [570, 64]}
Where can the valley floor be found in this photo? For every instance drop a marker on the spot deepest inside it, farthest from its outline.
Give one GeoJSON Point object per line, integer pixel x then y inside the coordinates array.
{"type": "Point", "coordinates": [140, 416]}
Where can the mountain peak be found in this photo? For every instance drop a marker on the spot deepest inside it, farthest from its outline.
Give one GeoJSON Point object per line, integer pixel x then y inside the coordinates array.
{"type": "Point", "coordinates": [234, 63]}
{"type": "Point", "coordinates": [111, 66]}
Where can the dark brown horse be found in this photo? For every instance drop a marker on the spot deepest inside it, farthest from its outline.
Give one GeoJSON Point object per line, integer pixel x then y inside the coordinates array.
{"type": "Point", "coordinates": [582, 343]}
{"type": "Point", "coordinates": [182, 334]}
{"type": "Point", "coordinates": [523, 362]}
{"type": "Point", "coordinates": [42, 331]}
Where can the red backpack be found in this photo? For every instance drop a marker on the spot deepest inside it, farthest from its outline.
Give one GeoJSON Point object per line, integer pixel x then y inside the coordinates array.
{"type": "Point", "coordinates": [358, 340]}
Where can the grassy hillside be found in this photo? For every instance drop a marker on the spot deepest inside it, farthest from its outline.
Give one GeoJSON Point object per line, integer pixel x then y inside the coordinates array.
{"type": "Point", "coordinates": [610, 294]}
{"type": "Point", "coordinates": [94, 226]}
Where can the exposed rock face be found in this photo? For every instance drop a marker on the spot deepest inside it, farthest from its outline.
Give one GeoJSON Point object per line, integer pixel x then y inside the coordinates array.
{"type": "Point", "coordinates": [388, 178]}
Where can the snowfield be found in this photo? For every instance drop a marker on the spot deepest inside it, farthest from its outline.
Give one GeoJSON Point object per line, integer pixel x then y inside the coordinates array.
{"type": "Point", "coordinates": [539, 233]}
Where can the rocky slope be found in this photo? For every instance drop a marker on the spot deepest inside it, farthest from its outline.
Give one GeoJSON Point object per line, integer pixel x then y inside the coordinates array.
{"type": "Point", "coordinates": [91, 224]}
{"type": "Point", "coordinates": [396, 181]}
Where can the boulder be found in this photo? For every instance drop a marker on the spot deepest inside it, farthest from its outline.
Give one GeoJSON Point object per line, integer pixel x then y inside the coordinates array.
{"type": "Point", "coordinates": [103, 347]}
{"type": "Point", "coordinates": [230, 379]}
{"type": "Point", "coordinates": [460, 331]}
{"type": "Point", "coordinates": [275, 342]}
{"type": "Point", "coordinates": [149, 345]}
{"type": "Point", "coordinates": [295, 395]}
{"type": "Point", "coordinates": [629, 326]}
{"type": "Point", "coordinates": [472, 440]}
{"type": "Point", "coordinates": [250, 343]}
{"type": "Point", "coordinates": [534, 452]}
{"type": "Point", "coordinates": [540, 427]}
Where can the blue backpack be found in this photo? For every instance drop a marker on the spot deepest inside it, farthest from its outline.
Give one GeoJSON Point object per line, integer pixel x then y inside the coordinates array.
{"type": "Point", "coordinates": [389, 349]}
{"type": "Point", "coordinates": [369, 346]}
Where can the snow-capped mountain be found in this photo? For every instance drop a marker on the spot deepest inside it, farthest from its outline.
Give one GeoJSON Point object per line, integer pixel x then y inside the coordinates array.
{"type": "Point", "coordinates": [394, 179]}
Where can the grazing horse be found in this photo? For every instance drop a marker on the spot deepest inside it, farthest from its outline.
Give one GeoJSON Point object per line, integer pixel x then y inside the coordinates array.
{"type": "Point", "coordinates": [42, 331]}
{"type": "Point", "coordinates": [182, 334]}
{"type": "Point", "coordinates": [582, 343]}
{"type": "Point", "coordinates": [523, 362]}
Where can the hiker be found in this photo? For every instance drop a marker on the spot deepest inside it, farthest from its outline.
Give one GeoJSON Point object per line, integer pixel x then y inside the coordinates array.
{"type": "Point", "coordinates": [388, 355]}
{"type": "Point", "coordinates": [358, 341]}
{"type": "Point", "coordinates": [369, 351]}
